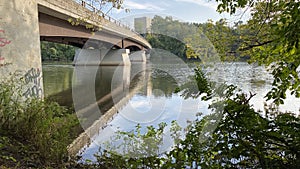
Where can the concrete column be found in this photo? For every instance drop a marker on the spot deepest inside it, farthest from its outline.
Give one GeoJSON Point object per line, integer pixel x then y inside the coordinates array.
{"type": "Point", "coordinates": [142, 73]}
{"type": "Point", "coordinates": [102, 57]}
{"type": "Point", "coordinates": [116, 57]}
{"type": "Point", "coordinates": [149, 87]}
{"type": "Point", "coordinates": [138, 56]}
{"type": "Point", "coordinates": [20, 44]}
{"type": "Point", "coordinates": [87, 57]}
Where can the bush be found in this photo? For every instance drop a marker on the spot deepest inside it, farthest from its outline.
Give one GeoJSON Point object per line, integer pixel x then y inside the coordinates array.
{"type": "Point", "coordinates": [42, 127]}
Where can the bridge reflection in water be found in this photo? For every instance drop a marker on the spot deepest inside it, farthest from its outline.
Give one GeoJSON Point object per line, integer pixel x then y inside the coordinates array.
{"type": "Point", "coordinates": [125, 95]}
{"type": "Point", "coordinates": [98, 92]}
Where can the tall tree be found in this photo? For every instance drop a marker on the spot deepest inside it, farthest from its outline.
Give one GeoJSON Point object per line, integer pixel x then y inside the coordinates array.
{"type": "Point", "coordinates": [273, 39]}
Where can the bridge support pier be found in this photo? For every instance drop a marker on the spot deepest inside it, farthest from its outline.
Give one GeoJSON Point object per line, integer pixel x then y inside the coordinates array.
{"type": "Point", "coordinates": [102, 57]}
{"type": "Point", "coordinates": [138, 56]}
{"type": "Point", "coordinates": [87, 57]}
{"type": "Point", "coordinates": [116, 57]}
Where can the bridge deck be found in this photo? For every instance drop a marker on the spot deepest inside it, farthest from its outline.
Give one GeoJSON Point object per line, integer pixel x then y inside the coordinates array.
{"type": "Point", "coordinates": [71, 10]}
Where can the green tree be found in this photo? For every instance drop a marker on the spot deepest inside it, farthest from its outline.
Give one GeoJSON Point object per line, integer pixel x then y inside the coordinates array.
{"type": "Point", "coordinates": [55, 51]}
{"type": "Point", "coordinates": [206, 42]}
{"type": "Point", "coordinates": [222, 37]}
{"type": "Point", "coordinates": [273, 40]}
{"type": "Point", "coordinates": [105, 4]}
{"type": "Point", "coordinates": [170, 35]}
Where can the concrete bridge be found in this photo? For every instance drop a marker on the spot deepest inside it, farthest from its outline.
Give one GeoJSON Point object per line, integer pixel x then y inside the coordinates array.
{"type": "Point", "coordinates": [96, 28]}
{"type": "Point", "coordinates": [23, 23]}
{"type": "Point", "coordinates": [80, 24]}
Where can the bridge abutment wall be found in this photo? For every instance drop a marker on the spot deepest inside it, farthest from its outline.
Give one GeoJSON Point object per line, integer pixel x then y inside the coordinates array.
{"type": "Point", "coordinates": [20, 44]}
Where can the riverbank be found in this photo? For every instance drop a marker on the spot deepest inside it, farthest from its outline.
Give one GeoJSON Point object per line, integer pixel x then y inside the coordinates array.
{"type": "Point", "coordinates": [34, 133]}
{"type": "Point", "coordinates": [40, 140]}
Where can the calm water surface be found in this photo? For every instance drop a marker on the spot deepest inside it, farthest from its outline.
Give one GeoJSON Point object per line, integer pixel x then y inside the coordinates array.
{"type": "Point", "coordinates": [148, 94]}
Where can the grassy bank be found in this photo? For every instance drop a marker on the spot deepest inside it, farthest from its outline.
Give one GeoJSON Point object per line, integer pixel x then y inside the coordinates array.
{"type": "Point", "coordinates": [34, 133]}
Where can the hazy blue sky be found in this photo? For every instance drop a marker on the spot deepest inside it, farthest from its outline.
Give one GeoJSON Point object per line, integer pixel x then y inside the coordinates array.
{"type": "Point", "coordinates": [186, 10]}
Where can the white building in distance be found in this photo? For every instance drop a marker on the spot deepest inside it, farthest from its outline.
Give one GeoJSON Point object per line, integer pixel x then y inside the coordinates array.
{"type": "Point", "coordinates": [142, 25]}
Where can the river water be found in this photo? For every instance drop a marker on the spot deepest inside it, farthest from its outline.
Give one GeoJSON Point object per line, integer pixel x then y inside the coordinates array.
{"type": "Point", "coordinates": [144, 94]}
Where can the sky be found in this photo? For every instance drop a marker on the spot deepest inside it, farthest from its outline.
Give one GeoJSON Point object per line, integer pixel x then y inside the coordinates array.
{"type": "Point", "coordinates": [197, 11]}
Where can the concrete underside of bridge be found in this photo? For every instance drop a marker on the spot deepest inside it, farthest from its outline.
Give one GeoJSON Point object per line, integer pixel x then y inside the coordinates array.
{"type": "Point", "coordinates": [62, 31]}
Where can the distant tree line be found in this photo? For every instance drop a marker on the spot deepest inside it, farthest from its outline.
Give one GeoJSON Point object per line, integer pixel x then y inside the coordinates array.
{"type": "Point", "coordinates": [197, 41]}
{"type": "Point", "coordinates": [57, 52]}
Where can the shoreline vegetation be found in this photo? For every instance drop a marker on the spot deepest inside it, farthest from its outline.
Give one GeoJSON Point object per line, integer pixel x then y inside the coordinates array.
{"type": "Point", "coordinates": [34, 133]}
{"type": "Point", "coordinates": [57, 63]}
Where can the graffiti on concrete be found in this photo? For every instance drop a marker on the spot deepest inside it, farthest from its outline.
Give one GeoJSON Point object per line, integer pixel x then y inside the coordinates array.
{"type": "Point", "coordinates": [2, 60]}
{"type": "Point", "coordinates": [33, 79]}
{"type": "Point", "coordinates": [3, 42]}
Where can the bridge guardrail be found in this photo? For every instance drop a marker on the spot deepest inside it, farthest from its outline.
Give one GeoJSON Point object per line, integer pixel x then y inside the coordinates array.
{"type": "Point", "coordinates": [94, 9]}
